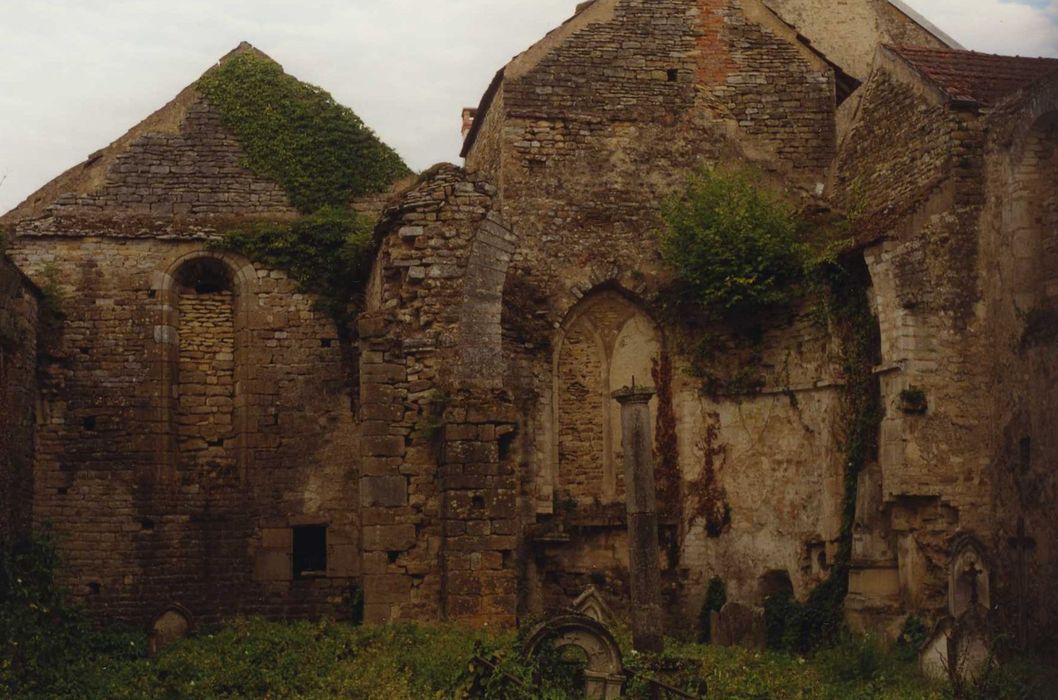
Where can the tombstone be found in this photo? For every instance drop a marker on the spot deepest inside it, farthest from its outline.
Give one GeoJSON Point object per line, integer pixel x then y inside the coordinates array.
{"type": "Point", "coordinates": [172, 625]}
{"type": "Point", "coordinates": [741, 626]}
{"type": "Point", "coordinates": [958, 648]}
{"type": "Point", "coordinates": [591, 604]}
{"type": "Point", "coordinates": [604, 670]}
{"type": "Point", "coordinates": [961, 643]}
{"type": "Point", "coordinates": [969, 576]}
{"type": "Point", "coordinates": [1023, 547]}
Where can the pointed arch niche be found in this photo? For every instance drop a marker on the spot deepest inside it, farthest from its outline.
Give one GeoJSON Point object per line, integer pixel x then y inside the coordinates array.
{"type": "Point", "coordinates": [204, 300]}
{"type": "Point", "coordinates": [605, 341]}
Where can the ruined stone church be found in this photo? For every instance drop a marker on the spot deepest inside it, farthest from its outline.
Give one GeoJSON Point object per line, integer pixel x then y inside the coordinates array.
{"type": "Point", "coordinates": [200, 436]}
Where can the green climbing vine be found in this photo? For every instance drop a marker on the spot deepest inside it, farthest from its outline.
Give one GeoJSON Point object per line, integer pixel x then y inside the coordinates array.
{"type": "Point", "coordinates": [844, 303]}
{"type": "Point", "coordinates": [297, 135]}
{"type": "Point", "coordinates": [740, 255]}
{"type": "Point", "coordinates": [328, 254]}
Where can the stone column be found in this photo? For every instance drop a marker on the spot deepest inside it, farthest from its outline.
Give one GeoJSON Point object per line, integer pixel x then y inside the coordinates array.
{"type": "Point", "coordinates": [641, 502]}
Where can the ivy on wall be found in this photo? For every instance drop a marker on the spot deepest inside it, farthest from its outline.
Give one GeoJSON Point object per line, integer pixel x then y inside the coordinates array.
{"type": "Point", "coordinates": [739, 254]}
{"type": "Point", "coordinates": [294, 133]}
{"type": "Point", "coordinates": [328, 253]}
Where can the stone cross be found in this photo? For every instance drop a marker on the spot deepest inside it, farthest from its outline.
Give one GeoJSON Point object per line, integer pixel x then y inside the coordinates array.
{"type": "Point", "coordinates": [641, 504]}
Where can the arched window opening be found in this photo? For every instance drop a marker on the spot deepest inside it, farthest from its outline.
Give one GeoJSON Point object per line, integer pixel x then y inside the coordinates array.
{"type": "Point", "coordinates": [605, 343]}
{"type": "Point", "coordinates": [206, 431]}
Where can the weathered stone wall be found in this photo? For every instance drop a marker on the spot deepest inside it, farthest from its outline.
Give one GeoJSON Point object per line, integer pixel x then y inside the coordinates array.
{"type": "Point", "coordinates": [914, 187]}
{"type": "Point", "coordinates": [957, 203]}
{"type": "Point", "coordinates": [1019, 271]}
{"type": "Point", "coordinates": [19, 301]}
{"type": "Point", "coordinates": [602, 120]}
{"type": "Point", "coordinates": [206, 385]}
{"type": "Point", "coordinates": [439, 483]}
{"type": "Point", "coordinates": [181, 162]}
{"type": "Point", "coordinates": [155, 499]}
{"type": "Point", "coordinates": [849, 31]}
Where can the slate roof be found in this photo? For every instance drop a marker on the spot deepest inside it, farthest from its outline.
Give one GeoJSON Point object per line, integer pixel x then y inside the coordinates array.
{"type": "Point", "coordinates": [980, 78]}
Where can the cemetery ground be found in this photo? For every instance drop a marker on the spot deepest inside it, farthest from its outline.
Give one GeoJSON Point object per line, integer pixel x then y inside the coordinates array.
{"type": "Point", "coordinates": [254, 658]}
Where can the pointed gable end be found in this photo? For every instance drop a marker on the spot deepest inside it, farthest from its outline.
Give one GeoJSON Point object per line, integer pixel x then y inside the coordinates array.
{"type": "Point", "coordinates": [232, 144]}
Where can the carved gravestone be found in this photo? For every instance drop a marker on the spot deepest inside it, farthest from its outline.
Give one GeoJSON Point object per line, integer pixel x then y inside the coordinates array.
{"type": "Point", "coordinates": [172, 625]}
{"type": "Point", "coordinates": [591, 604]}
{"type": "Point", "coordinates": [604, 670]}
{"type": "Point", "coordinates": [968, 586]}
{"type": "Point", "coordinates": [961, 646]}
{"type": "Point", "coordinates": [742, 626]}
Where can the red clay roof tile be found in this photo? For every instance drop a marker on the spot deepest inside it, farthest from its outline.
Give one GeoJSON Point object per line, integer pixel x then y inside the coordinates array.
{"type": "Point", "coordinates": [976, 77]}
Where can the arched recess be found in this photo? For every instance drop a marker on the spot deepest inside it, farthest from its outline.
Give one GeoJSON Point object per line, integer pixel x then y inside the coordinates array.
{"type": "Point", "coordinates": [204, 301]}
{"type": "Point", "coordinates": [605, 343]}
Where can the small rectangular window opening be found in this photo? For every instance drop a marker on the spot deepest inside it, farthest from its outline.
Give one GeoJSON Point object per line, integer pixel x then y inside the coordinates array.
{"type": "Point", "coordinates": [673, 74]}
{"type": "Point", "coordinates": [310, 551]}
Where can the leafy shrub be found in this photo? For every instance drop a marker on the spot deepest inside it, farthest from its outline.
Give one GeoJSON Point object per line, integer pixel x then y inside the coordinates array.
{"type": "Point", "coordinates": [913, 636]}
{"type": "Point", "coordinates": [854, 660]}
{"type": "Point", "coordinates": [47, 646]}
{"type": "Point", "coordinates": [734, 247]}
{"type": "Point", "coordinates": [297, 135]}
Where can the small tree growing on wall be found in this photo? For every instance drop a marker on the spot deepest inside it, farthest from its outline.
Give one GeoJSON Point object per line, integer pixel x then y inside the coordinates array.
{"type": "Point", "coordinates": [736, 249]}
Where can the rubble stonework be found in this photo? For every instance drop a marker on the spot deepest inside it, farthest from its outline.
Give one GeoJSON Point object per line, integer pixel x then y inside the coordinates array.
{"type": "Point", "coordinates": [462, 447]}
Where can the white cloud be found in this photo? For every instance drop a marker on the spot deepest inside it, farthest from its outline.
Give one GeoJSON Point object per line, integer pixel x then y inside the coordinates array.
{"type": "Point", "coordinates": [76, 74]}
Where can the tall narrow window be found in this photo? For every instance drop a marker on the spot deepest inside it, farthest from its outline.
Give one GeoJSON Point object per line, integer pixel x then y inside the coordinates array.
{"type": "Point", "coordinates": [206, 430]}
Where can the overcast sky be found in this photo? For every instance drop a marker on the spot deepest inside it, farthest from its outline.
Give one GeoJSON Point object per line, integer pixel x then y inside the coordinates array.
{"type": "Point", "coordinates": [76, 74]}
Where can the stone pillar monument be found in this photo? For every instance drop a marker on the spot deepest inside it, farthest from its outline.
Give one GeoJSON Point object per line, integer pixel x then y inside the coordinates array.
{"type": "Point", "coordinates": [641, 501]}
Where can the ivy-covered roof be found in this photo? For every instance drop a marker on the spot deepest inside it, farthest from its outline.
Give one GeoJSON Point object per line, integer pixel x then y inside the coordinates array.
{"type": "Point", "coordinates": [291, 133]}
{"type": "Point", "coordinates": [296, 134]}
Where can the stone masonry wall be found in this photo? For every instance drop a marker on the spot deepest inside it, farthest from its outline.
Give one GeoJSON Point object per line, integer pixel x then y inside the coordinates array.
{"type": "Point", "coordinates": [192, 169]}
{"type": "Point", "coordinates": [603, 119]}
{"type": "Point", "coordinates": [140, 528]}
{"type": "Point", "coordinates": [911, 167]}
{"type": "Point", "coordinates": [437, 486]}
{"type": "Point", "coordinates": [1019, 270]}
{"type": "Point", "coordinates": [850, 31]}
{"type": "Point", "coordinates": [19, 301]}
{"type": "Point", "coordinates": [206, 384]}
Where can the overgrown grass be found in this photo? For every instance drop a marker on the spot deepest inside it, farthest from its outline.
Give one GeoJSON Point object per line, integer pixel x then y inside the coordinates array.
{"type": "Point", "coordinates": [253, 658]}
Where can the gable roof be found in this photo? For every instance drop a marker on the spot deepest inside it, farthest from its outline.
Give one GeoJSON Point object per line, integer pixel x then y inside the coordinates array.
{"type": "Point", "coordinates": [199, 157]}
{"type": "Point", "coordinates": [976, 78]}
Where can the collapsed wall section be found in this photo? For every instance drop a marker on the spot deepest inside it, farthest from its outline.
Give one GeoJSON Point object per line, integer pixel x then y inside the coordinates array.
{"type": "Point", "coordinates": [439, 486]}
